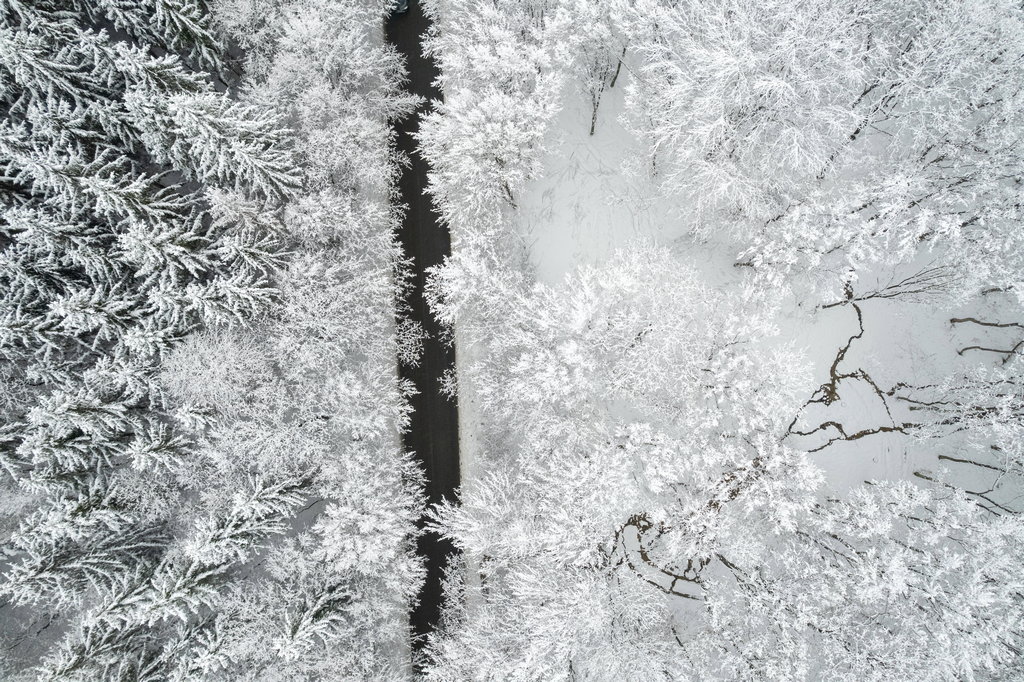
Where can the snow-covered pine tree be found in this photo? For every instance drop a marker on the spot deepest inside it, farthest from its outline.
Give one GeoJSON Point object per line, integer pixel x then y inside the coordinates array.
{"type": "Point", "coordinates": [71, 545]}
{"type": "Point", "coordinates": [137, 204]}
{"type": "Point", "coordinates": [134, 623]}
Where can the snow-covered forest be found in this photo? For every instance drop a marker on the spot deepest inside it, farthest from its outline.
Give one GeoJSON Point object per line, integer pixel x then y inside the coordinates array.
{"type": "Point", "coordinates": [736, 302]}
{"type": "Point", "coordinates": [203, 476]}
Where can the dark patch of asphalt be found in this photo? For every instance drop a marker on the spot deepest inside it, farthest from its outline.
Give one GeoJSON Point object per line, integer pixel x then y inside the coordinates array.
{"type": "Point", "coordinates": [434, 432]}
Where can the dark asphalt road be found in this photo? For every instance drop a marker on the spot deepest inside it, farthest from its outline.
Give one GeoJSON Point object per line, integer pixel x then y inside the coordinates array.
{"type": "Point", "coordinates": [434, 432]}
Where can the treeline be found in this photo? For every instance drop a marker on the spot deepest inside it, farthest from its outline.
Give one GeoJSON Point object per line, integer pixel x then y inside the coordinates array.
{"type": "Point", "coordinates": [644, 505]}
{"type": "Point", "coordinates": [202, 469]}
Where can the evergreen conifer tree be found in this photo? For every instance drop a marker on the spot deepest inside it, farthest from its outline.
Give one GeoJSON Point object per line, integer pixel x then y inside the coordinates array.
{"type": "Point", "coordinates": [137, 204]}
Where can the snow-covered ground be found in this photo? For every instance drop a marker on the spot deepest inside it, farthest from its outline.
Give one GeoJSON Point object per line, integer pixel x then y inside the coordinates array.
{"type": "Point", "coordinates": [585, 204]}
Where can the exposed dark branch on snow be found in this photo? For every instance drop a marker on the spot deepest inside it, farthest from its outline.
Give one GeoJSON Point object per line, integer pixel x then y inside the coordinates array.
{"type": "Point", "coordinates": [980, 494]}
{"type": "Point", "coordinates": [928, 282]}
{"type": "Point", "coordinates": [828, 393]}
{"type": "Point", "coordinates": [972, 462]}
{"type": "Point", "coordinates": [1008, 353]}
{"type": "Point", "coordinates": [983, 323]}
{"type": "Point", "coordinates": [641, 524]}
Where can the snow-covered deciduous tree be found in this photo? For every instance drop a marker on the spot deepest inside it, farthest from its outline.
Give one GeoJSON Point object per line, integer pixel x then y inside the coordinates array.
{"type": "Point", "coordinates": [636, 420]}
{"type": "Point", "coordinates": [222, 370]}
{"type": "Point", "coordinates": [830, 137]}
{"type": "Point", "coordinates": [975, 420]}
{"type": "Point", "coordinates": [503, 66]}
{"type": "Point", "coordinates": [895, 582]}
{"type": "Point", "coordinates": [597, 51]}
{"type": "Point", "coordinates": [635, 508]}
{"type": "Point", "coordinates": [742, 101]}
{"type": "Point", "coordinates": [639, 512]}
{"type": "Point", "coordinates": [323, 392]}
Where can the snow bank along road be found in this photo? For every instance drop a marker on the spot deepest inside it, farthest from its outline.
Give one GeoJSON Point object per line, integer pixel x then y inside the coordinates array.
{"type": "Point", "coordinates": [433, 434]}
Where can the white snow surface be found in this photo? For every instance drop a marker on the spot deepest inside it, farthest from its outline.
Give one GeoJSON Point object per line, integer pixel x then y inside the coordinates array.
{"type": "Point", "coordinates": [589, 200]}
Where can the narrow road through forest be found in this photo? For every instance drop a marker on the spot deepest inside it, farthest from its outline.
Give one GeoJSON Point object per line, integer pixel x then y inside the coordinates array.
{"type": "Point", "coordinates": [434, 432]}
